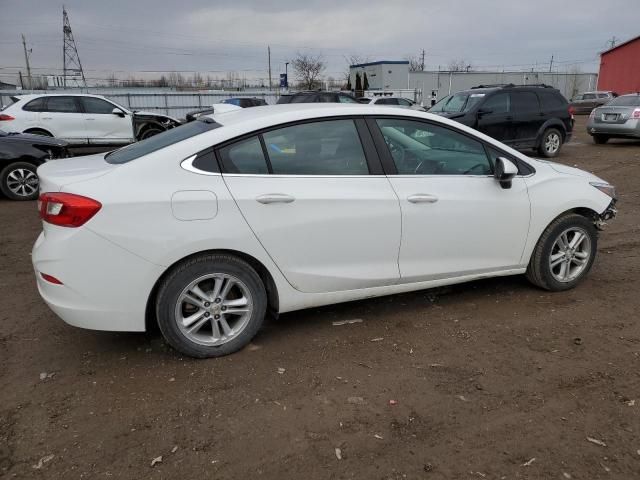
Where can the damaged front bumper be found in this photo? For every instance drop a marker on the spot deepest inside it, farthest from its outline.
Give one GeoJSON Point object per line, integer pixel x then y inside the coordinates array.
{"type": "Point", "coordinates": [609, 214]}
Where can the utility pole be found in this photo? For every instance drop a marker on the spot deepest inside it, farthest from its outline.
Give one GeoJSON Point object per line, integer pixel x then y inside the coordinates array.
{"type": "Point", "coordinates": [269, 58]}
{"type": "Point", "coordinates": [422, 61]}
{"type": "Point", "coordinates": [26, 60]}
{"type": "Point", "coordinates": [551, 64]}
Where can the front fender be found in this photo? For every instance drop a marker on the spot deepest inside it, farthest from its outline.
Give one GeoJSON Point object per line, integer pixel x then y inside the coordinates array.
{"type": "Point", "coordinates": [555, 195]}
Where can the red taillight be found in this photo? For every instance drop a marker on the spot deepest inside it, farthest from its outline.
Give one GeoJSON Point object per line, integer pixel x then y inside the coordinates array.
{"type": "Point", "coordinates": [5, 117]}
{"type": "Point", "coordinates": [572, 110]}
{"type": "Point", "coordinates": [50, 279]}
{"type": "Point", "coordinates": [636, 113]}
{"type": "Point", "coordinates": [67, 209]}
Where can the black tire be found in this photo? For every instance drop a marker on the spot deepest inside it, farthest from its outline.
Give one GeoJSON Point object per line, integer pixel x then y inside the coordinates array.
{"type": "Point", "coordinates": [10, 185]}
{"type": "Point", "coordinates": [38, 131]}
{"type": "Point", "coordinates": [543, 148]}
{"type": "Point", "coordinates": [150, 132]}
{"type": "Point", "coordinates": [539, 271]}
{"type": "Point", "coordinates": [600, 139]}
{"type": "Point", "coordinates": [180, 277]}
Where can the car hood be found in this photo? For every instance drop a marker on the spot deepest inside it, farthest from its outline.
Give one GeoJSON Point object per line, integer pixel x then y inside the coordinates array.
{"type": "Point", "coordinates": [567, 170]}
{"type": "Point", "coordinates": [33, 139]}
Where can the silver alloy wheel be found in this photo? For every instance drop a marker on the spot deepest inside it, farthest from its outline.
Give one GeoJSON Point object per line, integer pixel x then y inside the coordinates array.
{"type": "Point", "coordinates": [570, 254]}
{"type": "Point", "coordinates": [22, 182]}
{"type": "Point", "coordinates": [213, 309]}
{"type": "Point", "coordinates": [552, 143]}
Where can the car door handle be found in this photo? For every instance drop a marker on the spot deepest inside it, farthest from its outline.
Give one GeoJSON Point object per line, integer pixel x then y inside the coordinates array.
{"type": "Point", "coordinates": [422, 198]}
{"type": "Point", "coordinates": [509, 117]}
{"type": "Point", "coordinates": [89, 118]}
{"type": "Point", "coordinates": [275, 198]}
{"type": "Point", "coordinates": [46, 118]}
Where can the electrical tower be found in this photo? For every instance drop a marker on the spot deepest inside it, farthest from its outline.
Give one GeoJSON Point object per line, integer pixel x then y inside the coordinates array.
{"type": "Point", "coordinates": [71, 66]}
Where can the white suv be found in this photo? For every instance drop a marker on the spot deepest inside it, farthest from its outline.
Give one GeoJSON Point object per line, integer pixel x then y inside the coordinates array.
{"type": "Point", "coordinates": [81, 119]}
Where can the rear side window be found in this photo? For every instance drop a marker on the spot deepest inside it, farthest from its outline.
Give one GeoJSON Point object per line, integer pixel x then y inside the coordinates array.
{"type": "Point", "coordinates": [522, 102]}
{"type": "Point", "coordinates": [589, 96]}
{"type": "Point", "coordinates": [498, 103]}
{"type": "Point", "coordinates": [387, 101]}
{"type": "Point", "coordinates": [403, 102]}
{"type": "Point", "coordinates": [245, 156]}
{"type": "Point", "coordinates": [552, 101]}
{"type": "Point", "coordinates": [345, 99]}
{"type": "Point", "coordinates": [162, 140]}
{"type": "Point", "coordinates": [37, 105]}
{"type": "Point", "coordinates": [97, 105]}
{"type": "Point", "coordinates": [62, 105]}
{"type": "Point", "coordinates": [319, 148]}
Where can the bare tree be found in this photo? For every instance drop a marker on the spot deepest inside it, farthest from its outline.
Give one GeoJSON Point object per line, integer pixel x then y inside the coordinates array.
{"type": "Point", "coordinates": [353, 59]}
{"type": "Point", "coordinates": [308, 69]}
{"type": "Point", "coordinates": [415, 63]}
{"type": "Point", "coordinates": [573, 80]}
{"type": "Point", "coordinates": [460, 65]}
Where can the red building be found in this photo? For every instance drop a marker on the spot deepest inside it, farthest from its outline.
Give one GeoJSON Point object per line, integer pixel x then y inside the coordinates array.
{"type": "Point", "coordinates": [620, 68]}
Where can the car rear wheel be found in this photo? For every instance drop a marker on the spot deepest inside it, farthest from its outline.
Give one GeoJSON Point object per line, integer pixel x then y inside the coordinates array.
{"type": "Point", "coordinates": [600, 139]}
{"type": "Point", "coordinates": [550, 143]}
{"type": "Point", "coordinates": [19, 181]}
{"type": "Point", "coordinates": [564, 254]}
{"type": "Point", "coordinates": [211, 305]}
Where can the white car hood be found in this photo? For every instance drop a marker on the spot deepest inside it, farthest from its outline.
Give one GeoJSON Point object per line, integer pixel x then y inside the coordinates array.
{"type": "Point", "coordinates": [567, 170]}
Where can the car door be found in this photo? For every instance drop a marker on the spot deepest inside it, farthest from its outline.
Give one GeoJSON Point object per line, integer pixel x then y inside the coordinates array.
{"type": "Point", "coordinates": [495, 118]}
{"type": "Point", "coordinates": [320, 205]}
{"type": "Point", "coordinates": [63, 118]}
{"type": "Point", "coordinates": [102, 125]}
{"type": "Point", "coordinates": [456, 218]}
{"type": "Point", "coordinates": [527, 118]}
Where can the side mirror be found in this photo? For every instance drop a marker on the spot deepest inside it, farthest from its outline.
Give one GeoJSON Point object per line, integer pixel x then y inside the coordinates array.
{"type": "Point", "coordinates": [505, 171]}
{"type": "Point", "coordinates": [118, 112]}
{"type": "Point", "coordinates": [484, 111]}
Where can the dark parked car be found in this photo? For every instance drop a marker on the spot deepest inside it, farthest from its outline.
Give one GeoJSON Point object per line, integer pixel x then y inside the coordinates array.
{"type": "Point", "coordinates": [20, 156]}
{"type": "Point", "coordinates": [245, 102]}
{"type": "Point", "coordinates": [238, 102]}
{"type": "Point", "coordinates": [319, 96]}
{"type": "Point", "coordinates": [587, 101]}
{"type": "Point", "coordinates": [521, 116]}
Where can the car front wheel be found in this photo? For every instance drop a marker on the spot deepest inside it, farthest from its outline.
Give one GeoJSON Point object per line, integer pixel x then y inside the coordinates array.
{"type": "Point", "coordinates": [564, 254]}
{"type": "Point", "coordinates": [211, 305]}
{"type": "Point", "coordinates": [551, 143]}
{"type": "Point", "coordinates": [19, 181]}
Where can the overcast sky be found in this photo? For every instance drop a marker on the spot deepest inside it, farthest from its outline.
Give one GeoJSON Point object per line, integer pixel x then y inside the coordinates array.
{"type": "Point", "coordinates": [216, 36]}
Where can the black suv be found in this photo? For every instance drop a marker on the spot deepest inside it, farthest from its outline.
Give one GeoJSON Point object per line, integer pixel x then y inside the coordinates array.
{"type": "Point", "coordinates": [317, 97]}
{"type": "Point", "coordinates": [521, 116]}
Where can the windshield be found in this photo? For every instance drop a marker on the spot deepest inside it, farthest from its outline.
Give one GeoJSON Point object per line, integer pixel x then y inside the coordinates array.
{"type": "Point", "coordinates": [460, 102]}
{"type": "Point", "coordinates": [162, 140]}
{"type": "Point", "coordinates": [625, 101]}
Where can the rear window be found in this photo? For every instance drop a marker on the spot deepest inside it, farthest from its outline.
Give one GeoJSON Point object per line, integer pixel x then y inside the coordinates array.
{"type": "Point", "coordinates": [625, 101]}
{"type": "Point", "coordinates": [552, 101]}
{"type": "Point", "coordinates": [162, 140]}
{"type": "Point", "coordinates": [36, 105]}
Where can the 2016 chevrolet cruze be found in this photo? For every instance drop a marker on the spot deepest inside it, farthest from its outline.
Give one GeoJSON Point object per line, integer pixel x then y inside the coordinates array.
{"type": "Point", "coordinates": [207, 227]}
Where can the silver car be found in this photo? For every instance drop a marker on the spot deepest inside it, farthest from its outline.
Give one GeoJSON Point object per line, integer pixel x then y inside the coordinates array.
{"type": "Point", "coordinates": [620, 118]}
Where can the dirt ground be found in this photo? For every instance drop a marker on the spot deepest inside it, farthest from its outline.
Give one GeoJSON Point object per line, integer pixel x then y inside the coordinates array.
{"type": "Point", "coordinates": [493, 379]}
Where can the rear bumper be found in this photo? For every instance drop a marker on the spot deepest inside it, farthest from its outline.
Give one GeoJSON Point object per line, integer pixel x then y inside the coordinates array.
{"type": "Point", "coordinates": [629, 129]}
{"type": "Point", "coordinates": [104, 286]}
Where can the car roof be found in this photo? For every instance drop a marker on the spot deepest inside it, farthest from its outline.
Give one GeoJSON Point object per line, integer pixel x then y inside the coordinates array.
{"type": "Point", "coordinates": [387, 96]}
{"type": "Point", "coordinates": [37, 95]}
{"type": "Point", "coordinates": [250, 119]}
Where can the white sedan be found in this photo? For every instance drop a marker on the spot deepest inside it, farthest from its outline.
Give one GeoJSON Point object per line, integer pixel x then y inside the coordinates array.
{"type": "Point", "coordinates": [81, 119]}
{"type": "Point", "coordinates": [207, 227]}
